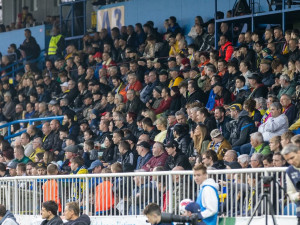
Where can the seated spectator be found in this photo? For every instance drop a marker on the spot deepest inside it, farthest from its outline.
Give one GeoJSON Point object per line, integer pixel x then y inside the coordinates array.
{"type": "Point", "coordinates": [143, 150]}
{"type": "Point", "coordinates": [181, 135]}
{"type": "Point", "coordinates": [250, 106]}
{"type": "Point", "coordinates": [37, 148]}
{"type": "Point", "coordinates": [19, 155]}
{"type": "Point", "coordinates": [258, 88]}
{"type": "Point", "coordinates": [128, 159]}
{"type": "Point", "coordinates": [256, 160]}
{"type": "Point", "coordinates": [176, 158]}
{"type": "Point", "coordinates": [161, 125]}
{"type": "Point", "coordinates": [275, 145]}
{"type": "Point", "coordinates": [200, 142]}
{"type": "Point", "coordinates": [258, 145]}
{"type": "Point", "coordinates": [230, 156]}
{"type": "Point", "coordinates": [275, 125]}
{"type": "Point", "coordinates": [158, 159]}
{"type": "Point", "coordinates": [240, 128]}
{"type": "Point", "coordinates": [210, 160]}
{"type": "Point", "coordinates": [287, 87]}
{"type": "Point", "coordinates": [268, 161]}
{"type": "Point", "coordinates": [71, 213]}
{"type": "Point", "coordinates": [218, 144]}
{"type": "Point", "coordinates": [226, 48]}
{"type": "Point", "coordinates": [222, 95]}
{"type": "Point", "coordinates": [286, 138]}
{"type": "Point", "coordinates": [289, 109]}
{"type": "Point", "coordinates": [244, 160]}
{"type": "Point", "coordinates": [279, 160]}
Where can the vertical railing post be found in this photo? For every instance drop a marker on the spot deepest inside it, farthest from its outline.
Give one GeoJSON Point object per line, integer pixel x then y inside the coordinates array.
{"type": "Point", "coordinates": [87, 195]}
{"type": "Point", "coordinates": [170, 193]}
{"type": "Point", "coordinates": [9, 133]}
{"type": "Point", "coordinates": [16, 197]}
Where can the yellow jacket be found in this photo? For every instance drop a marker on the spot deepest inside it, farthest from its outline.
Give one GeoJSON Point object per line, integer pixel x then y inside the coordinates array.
{"type": "Point", "coordinates": [36, 151]}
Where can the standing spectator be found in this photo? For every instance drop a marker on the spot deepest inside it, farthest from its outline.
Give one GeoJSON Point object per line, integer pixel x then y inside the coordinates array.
{"type": "Point", "coordinates": [8, 108]}
{"type": "Point", "coordinates": [56, 45]}
{"type": "Point", "coordinates": [30, 46]}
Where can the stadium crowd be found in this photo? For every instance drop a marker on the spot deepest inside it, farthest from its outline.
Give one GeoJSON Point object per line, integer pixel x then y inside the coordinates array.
{"type": "Point", "coordinates": [138, 99]}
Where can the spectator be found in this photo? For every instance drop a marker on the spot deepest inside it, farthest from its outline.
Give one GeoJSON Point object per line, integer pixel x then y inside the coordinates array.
{"type": "Point", "coordinates": [72, 214]}
{"type": "Point", "coordinates": [6, 217]}
{"type": "Point", "coordinates": [268, 161]}
{"type": "Point", "coordinates": [279, 160]}
{"type": "Point", "coordinates": [230, 156]}
{"type": "Point", "coordinates": [56, 45]}
{"type": "Point", "coordinates": [37, 148]}
{"type": "Point", "coordinates": [19, 155]}
{"type": "Point", "coordinates": [226, 48]}
{"type": "Point", "coordinates": [218, 144]}
{"type": "Point", "coordinates": [176, 158]}
{"type": "Point", "coordinates": [256, 160]}
{"type": "Point", "coordinates": [276, 125]}
{"type": "Point", "coordinates": [289, 108]}
{"type": "Point", "coordinates": [244, 160]}
{"type": "Point", "coordinates": [158, 159]}
{"type": "Point", "coordinates": [30, 47]}
{"type": "Point", "coordinates": [49, 213]}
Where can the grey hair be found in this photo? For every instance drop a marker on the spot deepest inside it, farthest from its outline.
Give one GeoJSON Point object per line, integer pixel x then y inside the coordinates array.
{"type": "Point", "coordinates": [160, 145]}
{"type": "Point", "coordinates": [262, 101]}
{"type": "Point", "coordinates": [180, 113]}
{"type": "Point", "coordinates": [285, 77]}
{"type": "Point", "coordinates": [289, 149]}
{"type": "Point", "coordinates": [39, 140]}
{"type": "Point", "coordinates": [257, 136]}
{"type": "Point", "coordinates": [258, 157]}
{"type": "Point", "coordinates": [245, 158]}
{"type": "Point", "coordinates": [195, 109]}
{"type": "Point", "coordinates": [277, 105]}
{"type": "Point", "coordinates": [8, 94]}
{"type": "Point", "coordinates": [119, 96]}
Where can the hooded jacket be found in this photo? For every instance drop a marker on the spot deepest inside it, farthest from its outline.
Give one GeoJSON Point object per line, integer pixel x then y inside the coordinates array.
{"type": "Point", "coordinates": [226, 51]}
{"type": "Point", "coordinates": [209, 199]}
{"type": "Point", "coordinates": [54, 221]}
{"type": "Point", "coordinates": [241, 129]}
{"type": "Point", "coordinates": [82, 220]}
{"type": "Point", "coordinates": [8, 219]}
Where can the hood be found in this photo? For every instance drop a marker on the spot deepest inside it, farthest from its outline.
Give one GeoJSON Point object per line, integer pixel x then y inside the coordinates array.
{"type": "Point", "coordinates": [211, 182]}
{"type": "Point", "coordinates": [83, 220]}
{"type": "Point", "coordinates": [7, 215]}
{"type": "Point", "coordinates": [243, 113]}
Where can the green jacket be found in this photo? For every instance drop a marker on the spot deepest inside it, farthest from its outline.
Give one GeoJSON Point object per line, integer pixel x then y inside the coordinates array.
{"type": "Point", "coordinates": [25, 160]}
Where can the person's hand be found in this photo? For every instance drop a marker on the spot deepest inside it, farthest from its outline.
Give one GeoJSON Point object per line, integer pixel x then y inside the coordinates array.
{"type": "Point", "coordinates": [56, 152]}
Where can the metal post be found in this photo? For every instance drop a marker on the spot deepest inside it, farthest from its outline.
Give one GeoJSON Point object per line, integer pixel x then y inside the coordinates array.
{"type": "Point", "coordinates": [84, 18]}
{"type": "Point", "coordinates": [171, 193]}
{"type": "Point", "coordinates": [252, 17]}
{"type": "Point", "coordinates": [9, 133]}
{"type": "Point", "coordinates": [87, 195]}
{"type": "Point", "coordinates": [283, 16]}
{"type": "Point", "coordinates": [72, 23]}
{"type": "Point", "coordinates": [61, 18]}
{"type": "Point", "coordinates": [216, 29]}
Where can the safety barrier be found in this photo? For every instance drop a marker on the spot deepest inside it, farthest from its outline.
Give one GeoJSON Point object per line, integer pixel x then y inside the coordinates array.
{"type": "Point", "coordinates": [128, 193]}
{"type": "Point", "coordinates": [29, 121]}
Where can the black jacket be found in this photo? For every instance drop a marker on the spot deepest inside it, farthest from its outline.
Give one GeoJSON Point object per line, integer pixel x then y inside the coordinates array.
{"type": "Point", "coordinates": [82, 220]}
{"type": "Point", "coordinates": [48, 141]}
{"type": "Point", "coordinates": [210, 124]}
{"type": "Point", "coordinates": [241, 129]}
{"type": "Point", "coordinates": [178, 160]}
{"type": "Point", "coordinates": [183, 143]}
{"type": "Point", "coordinates": [108, 154]}
{"type": "Point", "coordinates": [223, 128]}
{"type": "Point", "coordinates": [54, 221]}
{"type": "Point", "coordinates": [128, 161]}
{"type": "Point", "coordinates": [197, 95]}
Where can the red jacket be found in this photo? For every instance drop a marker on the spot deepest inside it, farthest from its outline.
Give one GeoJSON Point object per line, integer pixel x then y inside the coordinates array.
{"type": "Point", "coordinates": [163, 106]}
{"type": "Point", "coordinates": [226, 51]}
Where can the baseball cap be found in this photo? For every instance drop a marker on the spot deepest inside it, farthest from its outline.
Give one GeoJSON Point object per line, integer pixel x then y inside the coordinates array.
{"type": "Point", "coordinates": [53, 102]}
{"type": "Point", "coordinates": [41, 165]}
{"type": "Point", "coordinates": [65, 84]}
{"type": "Point", "coordinates": [71, 148]}
{"type": "Point", "coordinates": [171, 59]}
{"type": "Point", "coordinates": [12, 165]}
{"type": "Point", "coordinates": [236, 107]}
{"type": "Point", "coordinates": [176, 68]}
{"type": "Point", "coordinates": [97, 55]}
{"type": "Point", "coordinates": [215, 133]}
{"type": "Point", "coordinates": [171, 144]}
{"type": "Point", "coordinates": [254, 76]}
{"type": "Point", "coordinates": [193, 207]}
{"type": "Point", "coordinates": [95, 164]}
{"type": "Point", "coordinates": [144, 144]}
{"type": "Point", "coordinates": [233, 165]}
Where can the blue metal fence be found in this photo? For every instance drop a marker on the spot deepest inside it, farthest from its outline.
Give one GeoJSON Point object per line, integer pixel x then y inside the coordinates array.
{"type": "Point", "coordinates": [29, 121]}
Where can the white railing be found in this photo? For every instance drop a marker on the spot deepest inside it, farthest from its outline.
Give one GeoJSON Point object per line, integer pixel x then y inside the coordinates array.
{"type": "Point", "coordinates": [129, 193]}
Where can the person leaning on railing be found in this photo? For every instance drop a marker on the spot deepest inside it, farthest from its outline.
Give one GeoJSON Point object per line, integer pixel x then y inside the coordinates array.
{"type": "Point", "coordinates": [291, 153]}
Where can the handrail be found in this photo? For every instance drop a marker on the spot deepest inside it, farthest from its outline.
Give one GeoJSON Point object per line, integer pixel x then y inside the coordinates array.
{"type": "Point", "coordinates": [17, 62]}
{"type": "Point", "coordinates": [153, 173]}
{"type": "Point", "coordinates": [30, 121]}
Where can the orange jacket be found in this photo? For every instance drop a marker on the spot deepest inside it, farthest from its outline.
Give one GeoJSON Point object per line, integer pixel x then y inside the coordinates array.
{"type": "Point", "coordinates": [104, 198]}
{"type": "Point", "coordinates": [50, 192]}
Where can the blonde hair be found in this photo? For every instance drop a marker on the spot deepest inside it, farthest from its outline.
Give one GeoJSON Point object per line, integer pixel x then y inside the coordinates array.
{"type": "Point", "coordinates": [198, 140]}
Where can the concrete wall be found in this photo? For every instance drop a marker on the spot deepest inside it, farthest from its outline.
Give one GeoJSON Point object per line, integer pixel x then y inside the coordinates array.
{"type": "Point", "coordinates": [17, 37]}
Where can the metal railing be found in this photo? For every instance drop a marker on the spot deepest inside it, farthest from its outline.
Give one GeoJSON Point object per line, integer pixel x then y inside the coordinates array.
{"type": "Point", "coordinates": [129, 193]}
{"type": "Point", "coordinates": [29, 121]}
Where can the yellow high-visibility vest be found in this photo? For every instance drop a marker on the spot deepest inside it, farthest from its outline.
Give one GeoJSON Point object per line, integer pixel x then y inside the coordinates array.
{"type": "Point", "coordinates": [53, 44]}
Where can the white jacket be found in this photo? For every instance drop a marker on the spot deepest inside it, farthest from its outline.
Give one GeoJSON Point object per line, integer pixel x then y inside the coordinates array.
{"type": "Point", "coordinates": [274, 127]}
{"type": "Point", "coordinates": [209, 198]}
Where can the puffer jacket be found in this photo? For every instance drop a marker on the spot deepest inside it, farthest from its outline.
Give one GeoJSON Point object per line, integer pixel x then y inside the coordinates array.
{"type": "Point", "coordinates": [241, 129]}
{"type": "Point", "coordinates": [183, 143]}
